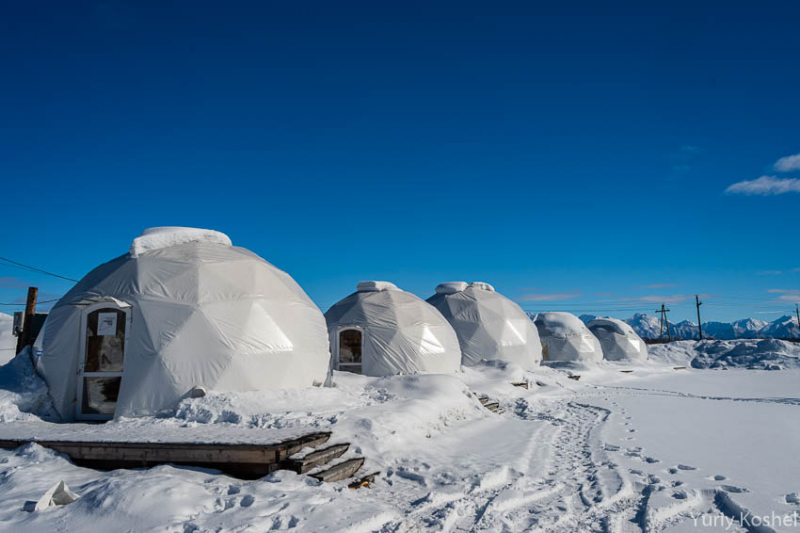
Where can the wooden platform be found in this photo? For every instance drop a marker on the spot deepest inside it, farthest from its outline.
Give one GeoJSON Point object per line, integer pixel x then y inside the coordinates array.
{"type": "Point", "coordinates": [244, 461]}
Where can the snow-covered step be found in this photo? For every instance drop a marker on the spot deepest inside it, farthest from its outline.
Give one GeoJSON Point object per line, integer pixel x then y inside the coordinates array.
{"type": "Point", "coordinates": [340, 471]}
{"type": "Point", "coordinates": [305, 464]}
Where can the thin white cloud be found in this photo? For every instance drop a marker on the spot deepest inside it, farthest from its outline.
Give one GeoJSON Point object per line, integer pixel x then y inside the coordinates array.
{"type": "Point", "coordinates": [788, 163]}
{"type": "Point", "coordinates": [657, 286]}
{"type": "Point", "coordinates": [765, 186]}
{"type": "Point", "coordinates": [548, 297]}
{"type": "Point", "coordinates": [786, 295]}
{"type": "Point", "coordinates": [777, 272]}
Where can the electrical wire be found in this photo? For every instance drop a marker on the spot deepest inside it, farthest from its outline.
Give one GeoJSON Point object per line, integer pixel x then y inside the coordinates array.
{"type": "Point", "coordinates": [34, 269]}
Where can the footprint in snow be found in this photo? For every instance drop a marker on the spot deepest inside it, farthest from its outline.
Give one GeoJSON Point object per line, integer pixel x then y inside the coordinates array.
{"type": "Point", "coordinates": [734, 490]}
{"type": "Point", "coordinates": [686, 467]}
{"type": "Point", "coordinates": [718, 477]}
{"type": "Point", "coordinates": [247, 501]}
{"type": "Point", "coordinates": [793, 497]}
{"type": "Point", "coordinates": [612, 448]}
{"type": "Point", "coordinates": [652, 460]}
{"type": "Point", "coordinates": [233, 489]}
{"type": "Point", "coordinates": [673, 471]}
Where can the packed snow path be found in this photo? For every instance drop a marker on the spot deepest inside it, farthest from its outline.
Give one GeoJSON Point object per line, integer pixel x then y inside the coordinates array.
{"type": "Point", "coordinates": [570, 484]}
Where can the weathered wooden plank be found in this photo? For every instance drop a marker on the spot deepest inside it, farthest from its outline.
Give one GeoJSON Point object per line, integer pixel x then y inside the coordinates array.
{"type": "Point", "coordinates": [492, 406]}
{"type": "Point", "coordinates": [315, 459]}
{"type": "Point", "coordinates": [341, 471]}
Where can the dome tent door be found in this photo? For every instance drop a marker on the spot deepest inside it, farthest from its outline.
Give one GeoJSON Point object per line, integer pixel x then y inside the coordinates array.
{"type": "Point", "coordinates": [349, 348]}
{"type": "Point", "coordinates": [104, 338]}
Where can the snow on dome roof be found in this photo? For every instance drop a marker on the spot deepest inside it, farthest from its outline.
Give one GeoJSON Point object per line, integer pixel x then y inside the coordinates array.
{"type": "Point", "coordinates": [560, 324]}
{"type": "Point", "coordinates": [482, 286]}
{"type": "Point", "coordinates": [451, 287]}
{"type": "Point", "coordinates": [616, 325]}
{"type": "Point", "coordinates": [167, 236]}
{"type": "Point", "coordinates": [376, 286]}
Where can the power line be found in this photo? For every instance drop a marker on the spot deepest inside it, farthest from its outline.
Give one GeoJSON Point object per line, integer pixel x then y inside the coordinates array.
{"type": "Point", "coordinates": [40, 302]}
{"type": "Point", "coordinates": [34, 269]}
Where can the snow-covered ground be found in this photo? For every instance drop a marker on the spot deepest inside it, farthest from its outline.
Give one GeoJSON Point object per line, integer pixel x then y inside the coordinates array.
{"type": "Point", "coordinates": [647, 450]}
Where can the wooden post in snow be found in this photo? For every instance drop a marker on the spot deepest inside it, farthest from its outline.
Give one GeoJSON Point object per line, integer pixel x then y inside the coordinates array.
{"type": "Point", "coordinates": [26, 338]}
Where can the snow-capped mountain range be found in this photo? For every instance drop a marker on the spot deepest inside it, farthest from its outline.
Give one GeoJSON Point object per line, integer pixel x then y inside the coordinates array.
{"type": "Point", "coordinates": [649, 327]}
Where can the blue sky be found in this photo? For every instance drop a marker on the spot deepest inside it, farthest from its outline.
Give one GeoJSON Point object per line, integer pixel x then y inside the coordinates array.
{"type": "Point", "coordinates": [574, 154]}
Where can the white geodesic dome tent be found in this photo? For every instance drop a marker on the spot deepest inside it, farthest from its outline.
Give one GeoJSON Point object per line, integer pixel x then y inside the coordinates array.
{"type": "Point", "coordinates": [183, 312]}
{"type": "Point", "coordinates": [489, 326]}
{"type": "Point", "coordinates": [380, 330]}
{"type": "Point", "coordinates": [618, 340]}
{"type": "Point", "coordinates": [566, 339]}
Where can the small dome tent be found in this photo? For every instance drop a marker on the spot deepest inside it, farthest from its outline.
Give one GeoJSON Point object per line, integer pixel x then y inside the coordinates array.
{"type": "Point", "coordinates": [619, 341]}
{"type": "Point", "coordinates": [489, 326]}
{"type": "Point", "coordinates": [380, 330]}
{"type": "Point", "coordinates": [183, 311]}
{"type": "Point", "coordinates": [566, 339]}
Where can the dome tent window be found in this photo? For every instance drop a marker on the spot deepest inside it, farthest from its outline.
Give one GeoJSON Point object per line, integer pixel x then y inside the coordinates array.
{"type": "Point", "coordinates": [103, 343]}
{"type": "Point", "coordinates": [350, 350]}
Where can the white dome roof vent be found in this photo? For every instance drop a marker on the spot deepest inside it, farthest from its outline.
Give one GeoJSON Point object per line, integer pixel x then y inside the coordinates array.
{"type": "Point", "coordinates": [451, 287]}
{"type": "Point", "coordinates": [376, 286]}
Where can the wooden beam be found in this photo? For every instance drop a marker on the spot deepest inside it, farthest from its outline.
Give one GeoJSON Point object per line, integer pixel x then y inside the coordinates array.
{"type": "Point", "coordinates": [246, 461]}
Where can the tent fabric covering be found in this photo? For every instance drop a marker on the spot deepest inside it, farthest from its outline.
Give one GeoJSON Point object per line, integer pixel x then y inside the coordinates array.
{"type": "Point", "coordinates": [567, 339]}
{"type": "Point", "coordinates": [402, 334]}
{"type": "Point", "coordinates": [489, 326]}
{"type": "Point", "coordinates": [203, 314]}
{"type": "Point", "coordinates": [618, 340]}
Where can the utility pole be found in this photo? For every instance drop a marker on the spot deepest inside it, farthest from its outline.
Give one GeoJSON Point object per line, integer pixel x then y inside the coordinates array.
{"type": "Point", "coordinates": [25, 339]}
{"type": "Point", "coordinates": [699, 324]}
{"type": "Point", "coordinates": [664, 322]}
{"type": "Point", "coordinates": [797, 310]}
